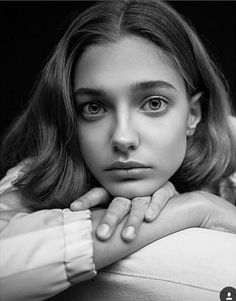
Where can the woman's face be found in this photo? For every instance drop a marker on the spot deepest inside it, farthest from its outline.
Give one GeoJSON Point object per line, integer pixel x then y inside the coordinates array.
{"type": "Point", "coordinates": [133, 116]}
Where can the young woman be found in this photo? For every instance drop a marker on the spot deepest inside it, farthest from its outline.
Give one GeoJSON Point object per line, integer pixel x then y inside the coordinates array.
{"type": "Point", "coordinates": [129, 102]}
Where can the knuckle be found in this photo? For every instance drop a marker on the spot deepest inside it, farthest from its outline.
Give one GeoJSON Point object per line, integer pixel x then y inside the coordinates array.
{"type": "Point", "coordinates": [101, 191]}
{"type": "Point", "coordinates": [171, 189]}
{"type": "Point", "coordinates": [136, 201]}
{"type": "Point", "coordinates": [83, 200]}
{"type": "Point", "coordinates": [97, 195]}
{"type": "Point", "coordinates": [170, 185]}
{"type": "Point", "coordinates": [111, 217]}
{"type": "Point", "coordinates": [121, 203]}
{"type": "Point", "coordinates": [125, 204]}
{"type": "Point", "coordinates": [135, 220]}
{"type": "Point", "coordinates": [116, 201]}
{"type": "Point", "coordinates": [86, 198]}
{"type": "Point", "coordinates": [166, 192]}
{"type": "Point", "coordinates": [160, 197]}
{"type": "Point", "coordinates": [96, 192]}
{"type": "Point", "coordinates": [162, 192]}
{"type": "Point", "coordinates": [157, 207]}
{"type": "Point", "coordinates": [141, 201]}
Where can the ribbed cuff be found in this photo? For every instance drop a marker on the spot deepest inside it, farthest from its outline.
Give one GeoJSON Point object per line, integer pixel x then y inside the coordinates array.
{"type": "Point", "coordinates": [78, 245]}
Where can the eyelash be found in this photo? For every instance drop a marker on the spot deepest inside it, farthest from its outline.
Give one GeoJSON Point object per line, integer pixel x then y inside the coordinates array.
{"type": "Point", "coordinates": [162, 100]}
{"type": "Point", "coordinates": [87, 105]}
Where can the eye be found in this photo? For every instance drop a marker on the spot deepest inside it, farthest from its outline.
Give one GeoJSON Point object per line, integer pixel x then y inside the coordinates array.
{"type": "Point", "coordinates": [92, 109]}
{"type": "Point", "coordinates": [155, 104]}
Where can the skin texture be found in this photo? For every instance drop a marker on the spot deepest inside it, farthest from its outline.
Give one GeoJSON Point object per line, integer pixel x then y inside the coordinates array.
{"type": "Point", "coordinates": [137, 209]}
{"type": "Point", "coordinates": [194, 209]}
{"type": "Point", "coordinates": [149, 126]}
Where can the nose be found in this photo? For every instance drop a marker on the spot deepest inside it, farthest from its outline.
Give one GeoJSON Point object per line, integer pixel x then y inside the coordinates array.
{"type": "Point", "coordinates": [124, 137]}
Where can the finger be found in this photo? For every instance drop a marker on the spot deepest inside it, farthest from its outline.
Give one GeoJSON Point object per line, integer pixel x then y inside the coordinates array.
{"type": "Point", "coordinates": [159, 200]}
{"type": "Point", "coordinates": [116, 211]}
{"type": "Point", "coordinates": [94, 197]}
{"type": "Point", "coordinates": [136, 216]}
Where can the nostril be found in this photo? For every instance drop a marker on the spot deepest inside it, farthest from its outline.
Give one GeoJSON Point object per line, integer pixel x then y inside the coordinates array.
{"type": "Point", "coordinates": [123, 147]}
{"type": "Point", "coordinates": [115, 148]}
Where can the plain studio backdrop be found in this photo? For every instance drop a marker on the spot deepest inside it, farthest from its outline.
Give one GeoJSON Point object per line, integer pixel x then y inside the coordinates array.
{"type": "Point", "coordinates": [31, 29]}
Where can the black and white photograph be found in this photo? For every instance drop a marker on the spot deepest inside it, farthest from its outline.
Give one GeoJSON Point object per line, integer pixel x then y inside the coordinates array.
{"type": "Point", "coordinates": [136, 200]}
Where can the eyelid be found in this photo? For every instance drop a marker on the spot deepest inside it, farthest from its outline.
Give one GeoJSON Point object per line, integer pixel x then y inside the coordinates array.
{"type": "Point", "coordinates": [88, 116]}
{"type": "Point", "coordinates": [83, 104]}
{"type": "Point", "coordinates": [162, 99]}
{"type": "Point", "coordinates": [156, 96]}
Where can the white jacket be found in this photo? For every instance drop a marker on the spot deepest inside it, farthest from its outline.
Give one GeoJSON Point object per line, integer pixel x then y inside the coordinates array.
{"type": "Point", "coordinates": [41, 253]}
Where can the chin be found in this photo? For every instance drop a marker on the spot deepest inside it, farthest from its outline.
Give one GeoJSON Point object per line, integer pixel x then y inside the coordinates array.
{"type": "Point", "coordinates": [131, 191]}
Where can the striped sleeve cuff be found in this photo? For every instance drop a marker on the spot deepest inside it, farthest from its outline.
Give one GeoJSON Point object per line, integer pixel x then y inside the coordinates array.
{"type": "Point", "coordinates": [78, 245]}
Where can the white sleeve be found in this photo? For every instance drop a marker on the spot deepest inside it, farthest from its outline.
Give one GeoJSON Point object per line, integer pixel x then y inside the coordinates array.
{"type": "Point", "coordinates": [44, 252]}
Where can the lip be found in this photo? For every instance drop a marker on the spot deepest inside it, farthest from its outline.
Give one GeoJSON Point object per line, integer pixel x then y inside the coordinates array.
{"type": "Point", "coordinates": [127, 165]}
{"type": "Point", "coordinates": [130, 173]}
{"type": "Point", "coordinates": [125, 170]}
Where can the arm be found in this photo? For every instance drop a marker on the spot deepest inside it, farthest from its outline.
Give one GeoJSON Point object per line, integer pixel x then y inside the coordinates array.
{"type": "Point", "coordinates": [196, 209]}
{"type": "Point", "coordinates": [44, 252]}
{"type": "Point", "coordinates": [181, 266]}
{"type": "Point", "coordinates": [178, 214]}
{"type": "Point", "coordinates": [51, 249]}
{"type": "Point", "coordinates": [138, 209]}
{"type": "Point", "coordinates": [193, 264]}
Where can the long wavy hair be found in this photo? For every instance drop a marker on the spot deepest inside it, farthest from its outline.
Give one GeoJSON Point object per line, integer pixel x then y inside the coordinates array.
{"type": "Point", "coordinates": [47, 132]}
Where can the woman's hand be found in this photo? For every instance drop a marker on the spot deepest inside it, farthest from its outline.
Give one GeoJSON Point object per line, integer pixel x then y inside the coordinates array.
{"type": "Point", "coordinates": [139, 209]}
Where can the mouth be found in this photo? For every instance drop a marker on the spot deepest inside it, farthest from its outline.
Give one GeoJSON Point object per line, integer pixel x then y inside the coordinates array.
{"type": "Point", "coordinates": [126, 165]}
{"type": "Point", "coordinates": [128, 169]}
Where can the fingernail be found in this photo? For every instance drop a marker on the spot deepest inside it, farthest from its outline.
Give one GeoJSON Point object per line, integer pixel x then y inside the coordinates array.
{"type": "Point", "coordinates": [129, 232]}
{"type": "Point", "coordinates": [76, 205]}
{"type": "Point", "coordinates": [150, 214]}
{"type": "Point", "coordinates": [103, 230]}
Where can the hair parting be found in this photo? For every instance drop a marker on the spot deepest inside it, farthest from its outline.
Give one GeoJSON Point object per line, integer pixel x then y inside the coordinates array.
{"type": "Point", "coordinates": [47, 132]}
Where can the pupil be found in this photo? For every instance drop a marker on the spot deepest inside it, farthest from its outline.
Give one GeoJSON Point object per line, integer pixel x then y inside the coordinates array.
{"type": "Point", "coordinates": [94, 107]}
{"type": "Point", "coordinates": [155, 103]}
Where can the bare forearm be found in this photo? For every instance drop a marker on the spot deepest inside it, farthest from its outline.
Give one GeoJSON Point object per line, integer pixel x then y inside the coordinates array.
{"type": "Point", "coordinates": [176, 216]}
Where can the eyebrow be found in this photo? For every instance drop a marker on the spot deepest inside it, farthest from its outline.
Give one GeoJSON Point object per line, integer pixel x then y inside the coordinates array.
{"type": "Point", "coordinates": [134, 87]}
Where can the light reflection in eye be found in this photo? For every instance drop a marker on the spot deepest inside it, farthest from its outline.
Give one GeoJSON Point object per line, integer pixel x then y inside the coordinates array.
{"type": "Point", "coordinates": [92, 108]}
{"type": "Point", "coordinates": [152, 104]}
{"type": "Point", "coordinates": [155, 104]}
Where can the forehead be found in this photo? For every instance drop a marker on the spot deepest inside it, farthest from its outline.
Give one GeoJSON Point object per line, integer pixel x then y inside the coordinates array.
{"type": "Point", "coordinates": [117, 65]}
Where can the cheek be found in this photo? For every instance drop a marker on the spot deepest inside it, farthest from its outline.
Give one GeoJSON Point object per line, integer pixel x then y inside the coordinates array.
{"type": "Point", "coordinates": [92, 141]}
{"type": "Point", "coordinates": [168, 144]}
